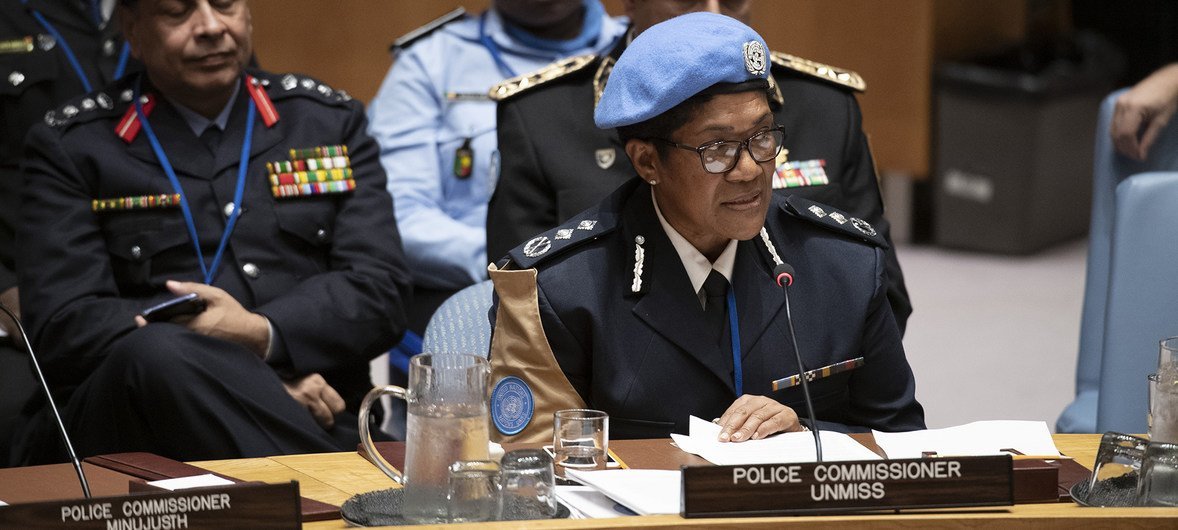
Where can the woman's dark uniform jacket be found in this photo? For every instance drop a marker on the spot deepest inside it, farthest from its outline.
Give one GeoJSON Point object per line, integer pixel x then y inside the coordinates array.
{"type": "Point", "coordinates": [645, 358]}
{"type": "Point", "coordinates": [555, 162]}
{"type": "Point", "coordinates": [326, 270]}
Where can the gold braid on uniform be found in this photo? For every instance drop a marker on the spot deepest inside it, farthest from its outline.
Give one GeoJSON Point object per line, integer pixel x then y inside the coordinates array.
{"type": "Point", "coordinates": [524, 82]}
{"type": "Point", "coordinates": [601, 77]}
{"type": "Point", "coordinates": [824, 72]}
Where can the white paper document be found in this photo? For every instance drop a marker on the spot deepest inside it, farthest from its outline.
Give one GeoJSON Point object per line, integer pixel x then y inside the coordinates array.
{"type": "Point", "coordinates": [585, 502]}
{"type": "Point", "coordinates": [196, 481]}
{"type": "Point", "coordinates": [979, 438]}
{"type": "Point", "coordinates": [645, 491]}
{"type": "Point", "coordinates": [781, 448]}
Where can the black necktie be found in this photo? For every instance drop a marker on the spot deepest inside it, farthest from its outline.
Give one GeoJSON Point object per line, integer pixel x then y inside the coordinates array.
{"type": "Point", "coordinates": [211, 138]}
{"type": "Point", "coordinates": [716, 307]}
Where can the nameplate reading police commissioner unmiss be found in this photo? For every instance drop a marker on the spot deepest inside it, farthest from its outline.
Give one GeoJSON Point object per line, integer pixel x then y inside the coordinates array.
{"type": "Point", "coordinates": [237, 506]}
{"type": "Point", "coordinates": [837, 487]}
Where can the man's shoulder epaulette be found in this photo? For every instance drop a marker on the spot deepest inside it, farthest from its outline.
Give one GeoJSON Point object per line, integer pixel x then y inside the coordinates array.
{"type": "Point", "coordinates": [405, 40]}
{"type": "Point", "coordinates": [282, 86]}
{"type": "Point", "coordinates": [111, 101]}
{"type": "Point", "coordinates": [589, 226]}
{"type": "Point", "coordinates": [556, 70]}
{"type": "Point", "coordinates": [833, 219]}
{"type": "Point", "coordinates": [827, 73]}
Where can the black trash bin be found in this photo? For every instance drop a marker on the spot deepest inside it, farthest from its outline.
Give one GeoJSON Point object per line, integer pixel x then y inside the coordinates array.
{"type": "Point", "coordinates": [1014, 145]}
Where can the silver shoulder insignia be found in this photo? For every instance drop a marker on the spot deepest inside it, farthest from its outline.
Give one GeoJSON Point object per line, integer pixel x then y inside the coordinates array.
{"type": "Point", "coordinates": [524, 82]}
{"type": "Point", "coordinates": [537, 247]}
{"type": "Point", "coordinates": [863, 226]}
{"type": "Point", "coordinates": [825, 72]}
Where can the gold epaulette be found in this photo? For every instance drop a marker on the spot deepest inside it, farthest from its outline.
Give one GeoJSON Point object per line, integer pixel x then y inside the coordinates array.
{"type": "Point", "coordinates": [524, 82]}
{"type": "Point", "coordinates": [824, 72]}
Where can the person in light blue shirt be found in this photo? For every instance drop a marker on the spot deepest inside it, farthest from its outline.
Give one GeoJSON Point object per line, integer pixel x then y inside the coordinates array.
{"type": "Point", "coordinates": [435, 125]}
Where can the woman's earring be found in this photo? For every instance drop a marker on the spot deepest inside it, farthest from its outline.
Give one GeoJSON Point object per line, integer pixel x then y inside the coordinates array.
{"type": "Point", "coordinates": [653, 182]}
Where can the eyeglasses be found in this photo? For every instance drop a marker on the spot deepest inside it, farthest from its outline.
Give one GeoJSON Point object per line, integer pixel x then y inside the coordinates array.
{"type": "Point", "coordinates": [722, 156]}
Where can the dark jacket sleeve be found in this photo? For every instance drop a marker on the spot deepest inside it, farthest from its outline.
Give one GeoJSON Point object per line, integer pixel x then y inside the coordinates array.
{"type": "Point", "coordinates": [355, 310]}
{"type": "Point", "coordinates": [9, 200]}
{"type": "Point", "coordinates": [69, 297]}
{"type": "Point", "coordinates": [883, 390]}
{"type": "Point", "coordinates": [523, 203]}
{"type": "Point", "coordinates": [861, 189]}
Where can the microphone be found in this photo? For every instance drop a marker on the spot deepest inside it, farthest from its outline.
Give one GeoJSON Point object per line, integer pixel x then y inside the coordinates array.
{"type": "Point", "coordinates": [65, 437]}
{"type": "Point", "coordinates": [784, 274]}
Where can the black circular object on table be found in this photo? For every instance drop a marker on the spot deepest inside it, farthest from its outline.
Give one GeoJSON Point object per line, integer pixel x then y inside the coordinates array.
{"type": "Point", "coordinates": [1114, 492]}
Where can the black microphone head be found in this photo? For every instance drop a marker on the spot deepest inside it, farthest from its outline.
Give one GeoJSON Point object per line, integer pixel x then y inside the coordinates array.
{"type": "Point", "coordinates": [784, 274]}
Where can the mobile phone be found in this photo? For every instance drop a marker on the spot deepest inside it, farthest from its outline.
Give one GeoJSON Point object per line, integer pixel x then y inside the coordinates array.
{"type": "Point", "coordinates": [189, 304]}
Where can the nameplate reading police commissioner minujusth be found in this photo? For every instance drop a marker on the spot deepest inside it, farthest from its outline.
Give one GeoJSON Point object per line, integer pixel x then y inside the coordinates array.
{"type": "Point", "coordinates": [237, 506]}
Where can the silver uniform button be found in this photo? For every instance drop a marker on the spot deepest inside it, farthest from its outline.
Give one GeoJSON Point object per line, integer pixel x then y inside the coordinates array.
{"type": "Point", "coordinates": [136, 252]}
{"type": "Point", "coordinates": [228, 209]}
{"type": "Point", "coordinates": [108, 47]}
{"type": "Point", "coordinates": [251, 270]}
{"type": "Point", "coordinates": [16, 78]}
{"type": "Point", "coordinates": [321, 234]}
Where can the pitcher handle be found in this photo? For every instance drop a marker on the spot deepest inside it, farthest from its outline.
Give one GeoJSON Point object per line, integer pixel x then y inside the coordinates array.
{"type": "Point", "coordinates": [366, 437]}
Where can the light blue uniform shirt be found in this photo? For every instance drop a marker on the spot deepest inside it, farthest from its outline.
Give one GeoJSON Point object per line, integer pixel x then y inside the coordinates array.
{"type": "Point", "coordinates": [432, 100]}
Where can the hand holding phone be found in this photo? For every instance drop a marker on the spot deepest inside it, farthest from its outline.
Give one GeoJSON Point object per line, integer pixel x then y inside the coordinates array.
{"type": "Point", "coordinates": [189, 304]}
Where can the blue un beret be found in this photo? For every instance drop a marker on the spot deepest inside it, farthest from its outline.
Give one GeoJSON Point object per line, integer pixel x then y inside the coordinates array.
{"type": "Point", "coordinates": [675, 60]}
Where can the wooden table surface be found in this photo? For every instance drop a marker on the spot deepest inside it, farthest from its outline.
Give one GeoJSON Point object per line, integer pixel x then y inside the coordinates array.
{"type": "Point", "coordinates": [335, 477]}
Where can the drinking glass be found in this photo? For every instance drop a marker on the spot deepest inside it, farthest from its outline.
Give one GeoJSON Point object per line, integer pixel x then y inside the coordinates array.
{"type": "Point", "coordinates": [580, 438]}
{"type": "Point", "coordinates": [473, 492]}
{"type": "Point", "coordinates": [529, 488]}
{"type": "Point", "coordinates": [1159, 475]}
{"type": "Point", "coordinates": [1117, 462]}
{"type": "Point", "coordinates": [1163, 409]}
{"type": "Point", "coordinates": [1168, 358]}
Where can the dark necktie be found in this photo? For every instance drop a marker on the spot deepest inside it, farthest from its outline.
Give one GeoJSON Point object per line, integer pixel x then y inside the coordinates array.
{"type": "Point", "coordinates": [716, 307]}
{"type": "Point", "coordinates": [211, 138]}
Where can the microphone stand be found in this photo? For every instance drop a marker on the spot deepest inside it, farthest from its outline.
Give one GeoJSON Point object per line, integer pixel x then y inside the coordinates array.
{"type": "Point", "coordinates": [52, 405]}
{"type": "Point", "coordinates": [787, 271]}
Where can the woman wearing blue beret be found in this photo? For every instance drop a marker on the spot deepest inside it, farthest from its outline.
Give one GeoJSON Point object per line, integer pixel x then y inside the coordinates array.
{"type": "Point", "coordinates": [661, 302]}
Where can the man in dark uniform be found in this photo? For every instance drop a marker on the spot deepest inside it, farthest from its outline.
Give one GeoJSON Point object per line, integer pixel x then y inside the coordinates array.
{"type": "Point", "coordinates": [555, 163]}
{"type": "Point", "coordinates": [50, 51]}
{"type": "Point", "coordinates": [262, 194]}
{"type": "Point", "coordinates": [660, 302]}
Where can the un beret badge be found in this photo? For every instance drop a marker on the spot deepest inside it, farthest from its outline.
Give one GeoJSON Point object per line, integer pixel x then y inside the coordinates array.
{"type": "Point", "coordinates": [511, 405]}
{"type": "Point", "coordinates": [754, 57]}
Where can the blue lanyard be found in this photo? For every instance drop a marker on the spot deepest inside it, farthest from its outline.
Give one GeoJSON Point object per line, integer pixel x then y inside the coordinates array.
{"type": "Point", "coordinates": [734, 331]}
{"type": "Point", "coordinates": [493, 48]}
{"type": "Point", "coordinates": [69, 52]}
{"type": "Point", "coordinates": [211, 271]}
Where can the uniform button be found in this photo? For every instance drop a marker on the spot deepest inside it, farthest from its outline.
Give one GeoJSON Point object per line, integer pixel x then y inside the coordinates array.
{"type": "Point", "coordinates": [136, 252]}
{"type": "Point", "coordinates": [251, 270]}
{"type": "Point", "coordinates": [321, 234]}
{"type": "Point", "coordinates": [108, 47]}
{"type": "Point", "coordinates": [228, 210]}
{"type": "Point", "coordinates": [16, 78]}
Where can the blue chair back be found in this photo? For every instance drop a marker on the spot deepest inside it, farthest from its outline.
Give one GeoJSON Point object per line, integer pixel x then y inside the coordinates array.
{"type": "Point", "coordinates": [461, 324]}
{"type": "Point", "coordinates": [1129, 230]}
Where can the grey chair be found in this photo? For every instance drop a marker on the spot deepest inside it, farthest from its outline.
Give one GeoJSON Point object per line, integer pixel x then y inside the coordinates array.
{"type": "Point", "coordinates": [461, 323]}
{"type": "Point", "coordinates": [1130, 292]}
